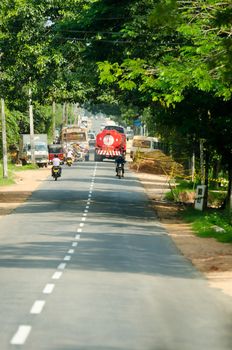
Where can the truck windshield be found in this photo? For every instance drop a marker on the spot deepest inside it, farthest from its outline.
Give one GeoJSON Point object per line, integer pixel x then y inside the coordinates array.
{"type": "Point", "coordinates": [114, 127]}
{"type": "Point", "coordinates": [74, 136]}
{"type": "Point", "coordinates": [55, 149]}
{"type": "Point", "coordinates": [38, 147]}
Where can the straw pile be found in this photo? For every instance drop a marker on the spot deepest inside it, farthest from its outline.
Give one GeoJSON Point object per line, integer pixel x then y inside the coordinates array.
{"type": "Point", "coordinates": [156, 162]}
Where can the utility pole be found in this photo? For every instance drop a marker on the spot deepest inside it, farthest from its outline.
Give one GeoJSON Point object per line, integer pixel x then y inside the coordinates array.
{"type": "Point", "coordinates": [32, 138]}
{"type": "Point", "coordinates": [4, 144]}
{"type": "Point", "coordinates": [64, 114]}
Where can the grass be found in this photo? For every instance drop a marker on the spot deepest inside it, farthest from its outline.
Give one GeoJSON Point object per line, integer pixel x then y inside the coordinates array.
{"type": "Point", "coordinates": [203, 222]}
{"type": "Point", "coordinates": [182, 187]}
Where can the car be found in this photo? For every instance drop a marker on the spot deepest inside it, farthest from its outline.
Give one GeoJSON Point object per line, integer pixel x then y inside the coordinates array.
{"type": "Point", "coordinates": [91, 139]}
{"type": "Point", "coordinates": [129, 134]}
{"type": "Point", "coordinates": [143, 144]}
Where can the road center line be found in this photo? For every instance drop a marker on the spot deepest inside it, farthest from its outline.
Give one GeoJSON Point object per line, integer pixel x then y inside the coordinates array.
{"type": "Point", "coordinates": [67, 258]}
{"type": "Point", "coordinates": [57, 275]}
{"type": "Point", "coordinates": [21, 335]}
{"type": "Point", "coordinates": [61, 266]}
{"type": "Point", "coordinates": [37, 307]}
{"type": "Point", "coordinates": [48, 288]}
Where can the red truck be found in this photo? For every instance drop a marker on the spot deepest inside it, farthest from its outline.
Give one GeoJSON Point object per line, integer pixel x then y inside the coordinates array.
{"type": "Point", "coordinates": [110, 143]}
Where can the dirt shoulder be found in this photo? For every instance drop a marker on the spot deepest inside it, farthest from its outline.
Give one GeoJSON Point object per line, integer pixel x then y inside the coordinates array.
{"type": "Point", "coordinates": [212, 258]}
{"type": "Point", "coordinates": [26, 182]}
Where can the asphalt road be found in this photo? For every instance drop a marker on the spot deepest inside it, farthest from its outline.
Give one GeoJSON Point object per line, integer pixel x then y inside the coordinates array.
{"type": "Point", "coordinates": [86, 265]}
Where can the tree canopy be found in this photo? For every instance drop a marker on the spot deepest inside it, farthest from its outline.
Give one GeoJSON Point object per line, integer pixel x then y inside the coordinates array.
{"type": "Point", "coordinates": [166, 60]}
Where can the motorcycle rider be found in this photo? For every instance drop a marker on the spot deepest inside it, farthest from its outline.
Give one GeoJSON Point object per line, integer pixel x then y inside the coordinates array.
{"type": "Point", "coordinates": [56, 163]}
{"type": "Point", "coordinates": [69, 156]}
{"type": "Point", "coordinates": [120, 160]}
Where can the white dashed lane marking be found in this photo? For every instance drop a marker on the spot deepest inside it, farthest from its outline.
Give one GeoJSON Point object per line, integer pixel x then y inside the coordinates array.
{"type": "Point", "coordinates": [67, 258]}
{"type": "Point", "coordinates": [21, 335]}
{"type": "Point", "coordinates": [61, 266]}
{"type": "Point", "coordinates": [37, 307]}
{"type": "Point", "coordinates": [57, 275]}
{"type": "Point", "coordinates": [48, 289]}
{"type": "Point", "coordinates": [23, 331]}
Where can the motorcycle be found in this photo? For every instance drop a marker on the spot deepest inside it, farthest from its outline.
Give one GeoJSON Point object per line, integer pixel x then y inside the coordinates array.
{"type": "Point", "coordinates": [120, 171]}
{"type": "Point", "coordinates": [69, 161]}
{"type": "Point", "coordinates": [56, 172]}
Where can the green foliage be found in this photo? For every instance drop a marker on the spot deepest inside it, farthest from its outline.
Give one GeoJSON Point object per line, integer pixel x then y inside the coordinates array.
{"type": "Point", "coordinates": [203, 222]}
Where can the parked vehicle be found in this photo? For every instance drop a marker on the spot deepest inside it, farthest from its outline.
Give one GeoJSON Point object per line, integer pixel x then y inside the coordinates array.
{"type": "Point", "coordinates": [40, 149]}
{"type": "Point", "coordinates": [143, 144]}
{"type": "Point", "coordinates": [110, 143]}
{"type": "Point", "coordinates": [55, 149]}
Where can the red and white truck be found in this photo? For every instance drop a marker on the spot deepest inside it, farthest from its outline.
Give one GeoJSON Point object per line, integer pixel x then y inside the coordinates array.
{"type": "Point", "coordinates": [110, 143]}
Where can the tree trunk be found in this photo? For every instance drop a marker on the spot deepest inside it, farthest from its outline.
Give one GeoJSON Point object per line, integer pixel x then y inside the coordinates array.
{"type": "Point", "coordinates": [54, 121]}
{"type": "Point", "coordinates": [193, 167]}
{"type": "Point", "coordinates": [202, 166]}
{"type": "Point", "coordinates": [229, 192]}
{"type": "Point", "coordinates": [206, 182]}
{"type": "Point", "coordinates": [32, 138]}
{"type": "Point", "coordinates": [4, 144]}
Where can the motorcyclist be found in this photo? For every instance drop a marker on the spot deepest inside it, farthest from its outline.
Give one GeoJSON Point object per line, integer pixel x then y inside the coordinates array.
{"type": "Point", "coordinates": [70, 154]}
{"type": "Point", "coordinates": [120, 160]}
{"type": "Point", "coordinates": [69, 157]}
{"type": "Point", "coordinates": [56, 163]}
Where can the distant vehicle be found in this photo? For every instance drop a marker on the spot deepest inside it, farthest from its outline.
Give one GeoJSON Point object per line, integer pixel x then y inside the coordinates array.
{"type": "Point", "coordinates": [91, 138]}
{"type": "Point", "coordinates": [40, 149]}
{"type": "Point", "coordinates": [110, 143]}
{"type": "Point", "coordinates": [55, 149]}
{"type": "Point", "coordinates": [143, 144]}
{"type": "Point", "coordinates": [91, 135]}
{"type": "Point", "coordinates": [119, 129]}
{"type": "Point", "coordinates": [73, 135]}
{"type": "Point", "coordinates": [102, 127]}
{"type": "Point", "coordinates": [129, 134]}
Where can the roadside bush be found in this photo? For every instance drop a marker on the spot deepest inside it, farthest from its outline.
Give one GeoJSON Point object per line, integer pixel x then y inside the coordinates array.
{"type": "Point", "coordinates": [203, 223]}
